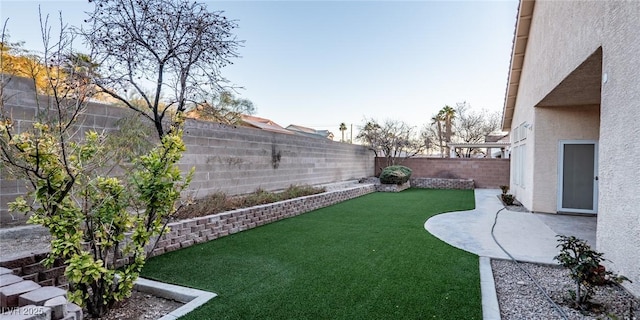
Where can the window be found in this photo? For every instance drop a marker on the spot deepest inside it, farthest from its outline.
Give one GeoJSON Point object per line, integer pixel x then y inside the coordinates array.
{"type": "Point", "coordinates": [519, 154]}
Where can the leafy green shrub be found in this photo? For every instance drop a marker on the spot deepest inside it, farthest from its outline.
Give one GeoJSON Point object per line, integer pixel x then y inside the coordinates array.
{"type": "Point", "coordinates": [585, 268]}
{"type": "Point", "coordinates": [395, 175]}
{"type": "Point", "coordinates": [90, 216]}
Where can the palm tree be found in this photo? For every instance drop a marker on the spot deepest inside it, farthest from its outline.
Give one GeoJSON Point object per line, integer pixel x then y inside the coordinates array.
{"type": "Point", "coordinates": [449, 114]}
{"type": "Point", "coordinates": [343, 128]}
{"type": "Point", "coordinates": [437, 119]}
{"type": "Point", "coordinates": [446, 114]}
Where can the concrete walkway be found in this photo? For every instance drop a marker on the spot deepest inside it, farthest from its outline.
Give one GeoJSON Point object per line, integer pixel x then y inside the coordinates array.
{"type": "Point", "coordinates": [527, 236]}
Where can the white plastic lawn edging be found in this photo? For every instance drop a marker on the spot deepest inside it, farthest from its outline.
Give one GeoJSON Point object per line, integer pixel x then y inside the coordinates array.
{"type": "Point", "coordinates": [192, 298]}
{"type": "Point", "coordinates": [490, 307]}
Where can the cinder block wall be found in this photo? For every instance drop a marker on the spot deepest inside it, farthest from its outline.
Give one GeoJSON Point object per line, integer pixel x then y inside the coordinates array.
{"type": "Point", "coordinates": [234, 160]}
{"type": "Point", "coordinates": [486, 173]}
{"type": "Point", "coordinates": [238, 160]}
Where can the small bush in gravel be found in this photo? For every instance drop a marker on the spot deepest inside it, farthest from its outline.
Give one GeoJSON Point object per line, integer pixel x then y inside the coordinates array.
{"type": "Point", "coordinates": [508, 198]}
{"type": "Point", "coordinates": [395, 175]}
{"type": "Point", "coordinates": [585, 268]}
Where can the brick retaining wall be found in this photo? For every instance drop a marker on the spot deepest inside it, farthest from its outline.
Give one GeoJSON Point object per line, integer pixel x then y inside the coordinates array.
{"type": "Point", "coordinates": [439, 183]}
{"type": "Point", "coordinates": [188, 232]}
{"type": "Point", "coordinates": [31, 267]}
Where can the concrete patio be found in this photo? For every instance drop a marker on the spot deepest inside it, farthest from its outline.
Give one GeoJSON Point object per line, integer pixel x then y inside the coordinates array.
{"type": "Point", "coordinates": [527, 236]}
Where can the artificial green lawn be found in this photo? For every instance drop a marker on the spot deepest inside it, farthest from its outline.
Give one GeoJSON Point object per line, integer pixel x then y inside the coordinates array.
{"type": "Point", "coordinates": [366, 258]}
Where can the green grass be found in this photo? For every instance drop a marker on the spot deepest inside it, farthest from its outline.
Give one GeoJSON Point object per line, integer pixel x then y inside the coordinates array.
{"type": "Point", "coordinates": [367, 258]}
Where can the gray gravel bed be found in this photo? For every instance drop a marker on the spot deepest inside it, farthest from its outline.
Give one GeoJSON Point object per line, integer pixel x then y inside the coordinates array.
{"type": "Point", "coordinates": [23, 240]}
{"type": "Point", "coordinates": [519, 297]}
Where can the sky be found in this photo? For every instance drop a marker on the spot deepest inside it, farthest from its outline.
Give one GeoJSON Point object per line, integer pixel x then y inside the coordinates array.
{"type": "Point", "coordinates": [320, 63]}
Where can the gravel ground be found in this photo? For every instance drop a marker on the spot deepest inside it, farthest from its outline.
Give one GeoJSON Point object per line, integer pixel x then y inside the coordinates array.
{"type": "Point", "coordinates": [142, 306]}
{"type": "Point", "coordinates": [23, 240]}
{"type": "Point", "coordinates": [519, 297]}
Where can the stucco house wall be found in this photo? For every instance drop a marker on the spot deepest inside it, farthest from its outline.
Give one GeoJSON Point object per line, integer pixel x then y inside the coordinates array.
{"type": "Point", "coordinates": [618, 234]}
{"type": "Point", "coordinates": [578, 27]}
{"type": "Point", "coordinates": [562, 36]}
{"type": "Point", "coordinates": [553, 124]}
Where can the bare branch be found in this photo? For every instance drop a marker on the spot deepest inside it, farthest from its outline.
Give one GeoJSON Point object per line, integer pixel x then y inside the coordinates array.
{"type": "Point", "coordinates": [178, 43]}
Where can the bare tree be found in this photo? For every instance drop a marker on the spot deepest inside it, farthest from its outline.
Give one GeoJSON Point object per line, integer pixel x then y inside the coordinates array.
{"type": "Point", "coordinates": [437, 122]}
{"type": "Point", "coordinates": [95, 220]}
{"type": "Point", "coordinates": [432, 138]}
{"type": "Point", "coordinates": [177, 46]}
{"type": "Point", "coordinates": [393, 139]}
{"type": "Point", "coordinates": [473, 126]}
{"type": "Point", "coordinates": [223, 108]}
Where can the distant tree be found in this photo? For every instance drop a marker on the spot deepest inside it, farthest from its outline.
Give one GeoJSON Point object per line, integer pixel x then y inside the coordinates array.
{"type": "Point", "coordinates": [17, 61]}
{"type": "Point", "coordinates": [223, 108]}
{"type": "Point", "coordinates": [370, 135]}
{"type": "Point", "coordinates": [393, 139]}
{"type": "Point", "coordinates": [430, 138]}
{"type": "Point", "coordinates": [436, 121]}
{"type": "Point", "coordinates": [80, 70]}
{"type": "Point", "coordinates": [473, 126]}
{"type": "Point", "coordinates": [178, 46]}
{"type": "Point", "coordinates": [343, 128]}
{"type": "Point", "coordinates": [448, 115]}
{"type": "Point", "coordinates": [459, 124]}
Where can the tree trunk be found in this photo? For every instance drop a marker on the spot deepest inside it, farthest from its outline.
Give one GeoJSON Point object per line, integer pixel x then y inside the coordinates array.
{"type": "Point", "coordinates": [440, 139]}
{"type": "Point", "coordinates": [448, 133]}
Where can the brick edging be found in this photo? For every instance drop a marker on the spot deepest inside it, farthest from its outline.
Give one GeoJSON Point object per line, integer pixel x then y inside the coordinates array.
{"type": "Point", "coordinates": [440, 183]}
{"type": "Point", "coordinates": [188, 232]}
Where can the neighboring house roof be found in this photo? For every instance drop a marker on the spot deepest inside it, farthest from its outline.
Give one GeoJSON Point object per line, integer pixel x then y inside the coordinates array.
{"type": "Point", "coordinates": [263, 124]}
{"type": "Point", "coordinates": [480, 145]}
{"type": "Point", "coordinates": [506, 138]}
{"type": "Point", "coordinates": [520, 37]}
{"type": "Point", "coordinates": [494, 137]}
{"type": "Point", "coordinates": [309, 132]}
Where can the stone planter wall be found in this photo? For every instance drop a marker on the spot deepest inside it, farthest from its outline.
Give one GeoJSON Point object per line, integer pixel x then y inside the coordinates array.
{"type": "Point", "coordinates": [186, 233]}
{"type": "Point", "coordinates": [392, 187]}
{"type": "Point", "coordinates": [439, 183]}
{"type": "Point", "coordinates": [24, 299]}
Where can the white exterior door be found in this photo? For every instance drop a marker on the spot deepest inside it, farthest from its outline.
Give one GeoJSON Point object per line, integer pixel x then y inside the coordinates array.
{"type": "Point", "coordinates": [578, 176]}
